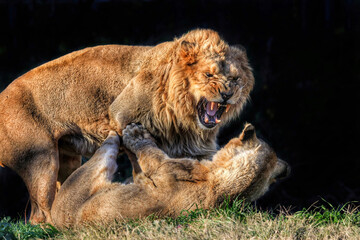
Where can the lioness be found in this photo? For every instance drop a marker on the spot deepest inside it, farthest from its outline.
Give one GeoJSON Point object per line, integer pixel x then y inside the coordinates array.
{"type": "Point", "coordinates": [181, 91]}
{"type": "Point", "coordinates": [245, 167]}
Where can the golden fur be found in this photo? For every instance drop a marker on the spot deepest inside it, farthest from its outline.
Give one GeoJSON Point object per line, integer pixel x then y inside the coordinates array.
{"type": "Point", "coordinates": [164, 186]}
{"type": "Point", "coordinates": [65, 108]}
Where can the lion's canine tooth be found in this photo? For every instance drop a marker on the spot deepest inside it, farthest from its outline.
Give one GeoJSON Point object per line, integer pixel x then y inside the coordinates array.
{"type": "Point", "coordinates": [206, 120]}
{"type": "Point", "coordinates": [227, 108]}
{"type": "Point", "coordinates": [212, 106]}
{"type": "Point", "coordinates": [217, 120]}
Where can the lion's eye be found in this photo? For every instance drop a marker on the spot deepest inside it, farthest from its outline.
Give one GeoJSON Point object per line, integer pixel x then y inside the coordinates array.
{"type": "Point", "coordinates": [208, 75]}
{"type": "Point", "coordinates": [234, 78]}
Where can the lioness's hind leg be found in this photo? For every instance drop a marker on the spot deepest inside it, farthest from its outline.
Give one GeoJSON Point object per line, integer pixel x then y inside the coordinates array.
{"type": "Point", "coordinates": [103, 163]}
{"type": "Point", "coordinates": [86, 181]}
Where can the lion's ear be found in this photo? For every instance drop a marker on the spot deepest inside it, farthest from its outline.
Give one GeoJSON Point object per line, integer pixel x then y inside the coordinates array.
{"type": "Point", "coordinates": [188, 52]}
{"type": "Point", "coordinates": [240, 47]}
{"type": "Point", "coordinates": [248, 133]}
{"type": "Point", "coordinates": [240, 52]}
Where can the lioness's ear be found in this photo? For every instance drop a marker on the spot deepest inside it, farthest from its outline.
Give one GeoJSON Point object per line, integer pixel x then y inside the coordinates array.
{"type": "Point", "coordinates": [248, 132]}
{"type": "Point", "coordinates": [188, 52]}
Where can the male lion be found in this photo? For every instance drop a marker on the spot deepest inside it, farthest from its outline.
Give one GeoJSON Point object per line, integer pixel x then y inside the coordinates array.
{"type": "Point", "coordinates": [181, 91]}
{"type": "Point", "coordinates": [244, 168]}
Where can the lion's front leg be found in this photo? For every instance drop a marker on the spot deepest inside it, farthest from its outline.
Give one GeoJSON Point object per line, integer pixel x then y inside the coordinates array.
{"type": "Point", "coordinates": [132, 103]}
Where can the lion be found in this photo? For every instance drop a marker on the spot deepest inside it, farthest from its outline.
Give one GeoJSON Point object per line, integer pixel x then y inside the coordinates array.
{"type": "Point", "coordinates": [182, 91]}
{"type": "Point", "coordinates": [164, 186]}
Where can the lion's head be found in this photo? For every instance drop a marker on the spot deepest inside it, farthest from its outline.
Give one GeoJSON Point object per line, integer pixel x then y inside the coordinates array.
{"type": "Point", "coordinates": [210, 80]}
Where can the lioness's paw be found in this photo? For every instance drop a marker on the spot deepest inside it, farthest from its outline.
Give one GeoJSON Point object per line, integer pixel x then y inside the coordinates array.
{"type": "Point", "coordinates": [135, 136]}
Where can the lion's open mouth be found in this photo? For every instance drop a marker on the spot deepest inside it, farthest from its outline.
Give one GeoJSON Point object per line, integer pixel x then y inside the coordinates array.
{"type": "Point", "coordinates": [210, 112]}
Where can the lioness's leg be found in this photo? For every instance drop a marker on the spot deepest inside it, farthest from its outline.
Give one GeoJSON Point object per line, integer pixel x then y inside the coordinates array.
{"type": "Point", "coordinates": [86, 181]}
{"type": "Point", "coordinates": [152, 159]}
{"type": "Point", "coordinates": [134, 163]}
{"type": "Point", "coordinates": [108, 201]}
{"type": "Point", "coordinates": [140, 142]}
{"type": "Point", "coordinates": [102, 166]}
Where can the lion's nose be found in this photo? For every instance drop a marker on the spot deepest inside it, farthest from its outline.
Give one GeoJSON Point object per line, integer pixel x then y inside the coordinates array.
{"type": "Point", "coordinates": [226, 96]}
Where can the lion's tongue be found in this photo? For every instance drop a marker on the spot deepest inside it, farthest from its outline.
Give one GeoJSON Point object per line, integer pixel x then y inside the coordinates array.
{"type": "Point", "coordinates": [211, 108]}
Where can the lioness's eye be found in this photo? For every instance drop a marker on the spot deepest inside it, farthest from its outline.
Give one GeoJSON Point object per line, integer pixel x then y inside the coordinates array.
{"type": "Point", "coordinates": [208, 75]}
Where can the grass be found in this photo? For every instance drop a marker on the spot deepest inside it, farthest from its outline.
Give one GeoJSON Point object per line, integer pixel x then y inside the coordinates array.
{"type": "Point", "coordinates": [238, 220]}
{"type": "Point", "coordinates": [19, 230]}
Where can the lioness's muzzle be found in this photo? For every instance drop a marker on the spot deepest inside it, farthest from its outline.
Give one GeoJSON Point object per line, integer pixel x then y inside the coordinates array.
{"type": "Point", "coordinates": [284, 170]}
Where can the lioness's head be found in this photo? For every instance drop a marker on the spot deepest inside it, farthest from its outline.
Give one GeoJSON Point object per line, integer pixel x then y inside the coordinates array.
{"type": "Point", "coordinates": [248, 166]}
{"type": "Point", "coordinates": [217, 78]}
{"type": "Point", "coordinates": [267, 167]}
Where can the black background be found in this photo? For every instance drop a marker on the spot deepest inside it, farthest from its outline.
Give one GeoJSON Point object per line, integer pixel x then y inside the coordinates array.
{"type": "Point", "coordinates": [306, 60]}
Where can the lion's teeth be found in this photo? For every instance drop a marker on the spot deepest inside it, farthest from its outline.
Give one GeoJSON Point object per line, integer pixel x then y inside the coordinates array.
{"type": "Point", "coordinates": [227, 107]}
{"type": "Point", "coordinates": [217, 120]}
{"type": "Point", "coordinates": [206, 120]}
{"type": "Point", "coordinates": [212, 106]}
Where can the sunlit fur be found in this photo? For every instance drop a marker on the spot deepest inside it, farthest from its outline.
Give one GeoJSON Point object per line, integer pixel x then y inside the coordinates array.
{"type": "Point", "coordinates": [64, 109]}
{"type": "Point", "coordinates": [179, 81]}
{"type": "Point", "coordinates": [166, 186]}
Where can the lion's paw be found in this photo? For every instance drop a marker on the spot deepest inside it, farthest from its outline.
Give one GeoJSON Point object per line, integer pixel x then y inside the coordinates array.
{"type": "Point", "coordinates": [135, 136]}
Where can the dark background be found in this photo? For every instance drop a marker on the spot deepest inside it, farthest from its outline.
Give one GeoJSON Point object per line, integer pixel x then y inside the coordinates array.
{"type": "Point", "coordinates": [306, 60]}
